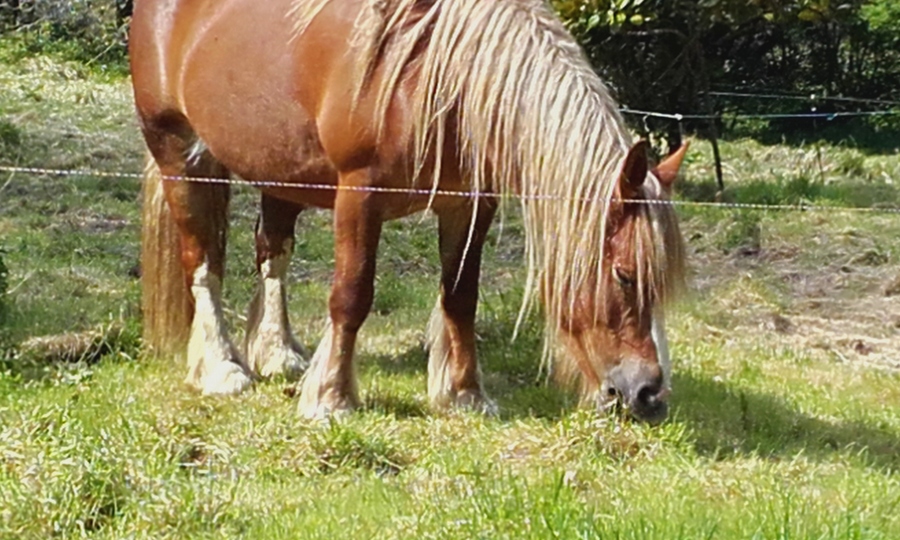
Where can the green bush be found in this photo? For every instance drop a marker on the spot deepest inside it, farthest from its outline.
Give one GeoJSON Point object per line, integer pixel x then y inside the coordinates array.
{"type": "Point", "coordinates": [667, 55]}
{"type": "Point", "coordinates": [4, 287]}
{"type": "Point", "coordinates": [93, 32]}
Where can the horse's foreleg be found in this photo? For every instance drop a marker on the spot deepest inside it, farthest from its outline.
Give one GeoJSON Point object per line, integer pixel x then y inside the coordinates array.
{"type": "Point", "coordinates": [270, 345]}
{"type": "Point", "coordinates": [454, 378]}
{"type": "Point", "coordinates": [330, 386]}
{"type": "Point", "coordinates": [200, 211]}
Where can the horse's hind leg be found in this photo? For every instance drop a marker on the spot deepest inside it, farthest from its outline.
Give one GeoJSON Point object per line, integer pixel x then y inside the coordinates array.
{"type": "Point", "coordinates": [454, 378]}
{"type": "Point", "coordinates": [271, 347]}
{"type": "Point", "coordinates": [329, 386]}
{"type": "Point", "coordinates": [200, 210]}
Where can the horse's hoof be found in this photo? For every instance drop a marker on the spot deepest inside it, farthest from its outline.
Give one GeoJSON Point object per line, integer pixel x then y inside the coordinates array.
{"type": "Point", "coordinates": [326, 408]}
{"type": "Point", "coordinates": [288, 362]}
{"type": "Point", "coordinates": [226, 379]}
{"type": "Point", "coordinates": [475, 401]}
{"type": "Point", "coordinates": [322, 412]}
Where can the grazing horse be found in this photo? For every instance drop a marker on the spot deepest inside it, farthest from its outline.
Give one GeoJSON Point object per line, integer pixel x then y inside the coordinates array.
{"type": "Point", "coordinates": [377, 109]}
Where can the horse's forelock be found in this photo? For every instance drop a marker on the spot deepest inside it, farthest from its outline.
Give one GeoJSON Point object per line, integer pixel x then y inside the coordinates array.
{"type": "Point", "coordinates": [664, 257]}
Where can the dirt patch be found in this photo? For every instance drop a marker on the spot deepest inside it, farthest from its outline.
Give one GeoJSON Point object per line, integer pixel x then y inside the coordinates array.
{"type": "Point", "coordinates": [892, 286]}
{"type": "Point", "coordinates": [833, 300]}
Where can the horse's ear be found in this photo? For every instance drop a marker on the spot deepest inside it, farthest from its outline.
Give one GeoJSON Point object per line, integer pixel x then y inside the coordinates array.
{"type": "Point", "coordinates": [667, 170]}
{"type": "Point", "coordinates": [634, 169]}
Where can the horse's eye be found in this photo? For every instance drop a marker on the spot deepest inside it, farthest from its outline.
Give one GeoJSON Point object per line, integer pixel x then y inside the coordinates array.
{"type": "Point", "coordinates": [625, 279]}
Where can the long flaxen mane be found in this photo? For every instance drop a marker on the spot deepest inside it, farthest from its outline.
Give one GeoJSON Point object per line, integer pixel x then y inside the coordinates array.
{"type": "Point", "coordinates": [533, 121]}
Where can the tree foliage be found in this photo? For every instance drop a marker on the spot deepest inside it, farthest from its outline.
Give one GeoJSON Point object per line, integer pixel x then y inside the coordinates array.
{"type": "Point", "coordinates": [668, 54]}
{"type": "Point", "coordinates": [89, 31]}
{"type": "Point", "coordinates": [663, 55]}
{"type": "Point", "coordinates": [4, 276]}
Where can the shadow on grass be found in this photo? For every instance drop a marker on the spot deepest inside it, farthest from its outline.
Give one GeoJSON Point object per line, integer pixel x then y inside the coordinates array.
{"type": "Point", "coordinates": [854, 133]}
{"type": "Point", "coordinates": [412, 361]}
{"type": "Point", "coordinates": [511, 374]}
{"type": "Point", "coordinates": [406, 363]}
{"type": "Point", "coordinates": [730, 422]}
{"type": "Point", "coordinates": [394, 405]}
{"type": "Point", "coordinates": [799, 189]}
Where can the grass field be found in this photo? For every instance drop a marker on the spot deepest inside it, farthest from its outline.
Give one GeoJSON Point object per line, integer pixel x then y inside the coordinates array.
{"type": "Point", "coordinates": [785, 416]}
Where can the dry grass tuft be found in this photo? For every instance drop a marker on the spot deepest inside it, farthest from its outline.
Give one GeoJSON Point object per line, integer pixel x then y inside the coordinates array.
{"type": "Point", "coordinates": [88, 346]}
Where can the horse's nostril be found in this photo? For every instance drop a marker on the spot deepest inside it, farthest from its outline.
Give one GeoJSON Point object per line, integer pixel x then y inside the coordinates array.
{"type": "Point", "coordinates": [649, 404]}
{"type": "Point", "coordinates": [648, 396]}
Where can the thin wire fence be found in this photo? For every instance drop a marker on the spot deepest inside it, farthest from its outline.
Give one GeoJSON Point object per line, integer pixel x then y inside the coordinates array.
{"type": "Point", "coordinates": [813, 98]}
{"type": "Point", "coordinates": [887, 208]}
{"type": "Point", "coordinates": [412, 192]}
{"type": "Point", "coordinates": [771, 116]}
{"type": "Point", "coordinates": [798, 97]}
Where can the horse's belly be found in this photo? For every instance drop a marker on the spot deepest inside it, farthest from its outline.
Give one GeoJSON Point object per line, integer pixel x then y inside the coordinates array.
{"type": "Point", "coordinates": [241, 86]}
{"type": "Point", "coordinates": [237, 92]}
{"type": "Point", "coordinates": [281, 158]}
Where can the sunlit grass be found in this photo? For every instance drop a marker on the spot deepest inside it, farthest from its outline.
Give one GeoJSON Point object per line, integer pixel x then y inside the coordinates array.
{"type": "Point", "coordinates": [785, 420]}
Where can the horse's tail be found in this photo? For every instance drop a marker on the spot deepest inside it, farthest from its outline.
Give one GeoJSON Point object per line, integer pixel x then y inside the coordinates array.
{"type": "Point", "coordinates": [165, 300]}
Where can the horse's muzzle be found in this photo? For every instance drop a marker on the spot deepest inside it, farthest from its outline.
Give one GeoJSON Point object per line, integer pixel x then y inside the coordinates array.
{"type": "Point", "coordinates": [637, 388]}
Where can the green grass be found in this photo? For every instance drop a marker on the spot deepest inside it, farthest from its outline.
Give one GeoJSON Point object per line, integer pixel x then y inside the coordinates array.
{"type": "Point", "coordinates": [785, 419]}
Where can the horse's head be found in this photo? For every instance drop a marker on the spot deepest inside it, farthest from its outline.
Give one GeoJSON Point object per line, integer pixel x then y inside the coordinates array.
{"type": "Point", "coordinates": [614, 330]}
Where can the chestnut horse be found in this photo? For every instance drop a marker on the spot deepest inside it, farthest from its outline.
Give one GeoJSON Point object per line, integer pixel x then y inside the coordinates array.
{"type": "Point", "coordinates": [377, 109]}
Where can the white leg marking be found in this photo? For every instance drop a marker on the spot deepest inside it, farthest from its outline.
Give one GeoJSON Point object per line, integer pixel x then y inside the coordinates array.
{"type": "Point", "coordinates": [271, 347]}
{"type": "Point", "coordinates": [440, 389]}
{"type": "Point", "coordinates": [195, 152]}
{"type": "Point", "coordinates": [658, 332]}
{"type": "Point", "coordinates": [318, 396]}
{"type": "Point", "coordinates": [440, 385]}
{"type": "Point", "coordinates": [214, 365]}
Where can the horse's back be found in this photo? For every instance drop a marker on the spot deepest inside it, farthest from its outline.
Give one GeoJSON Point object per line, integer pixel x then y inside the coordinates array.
{"type": "Point", "coordinates": [274, 104]}
{"type": "Point", "coordinates": [225, 70]}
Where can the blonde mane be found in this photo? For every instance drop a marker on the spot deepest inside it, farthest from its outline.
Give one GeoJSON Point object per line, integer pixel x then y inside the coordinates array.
{"type": "Point", "coordinates": [534, 121]}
